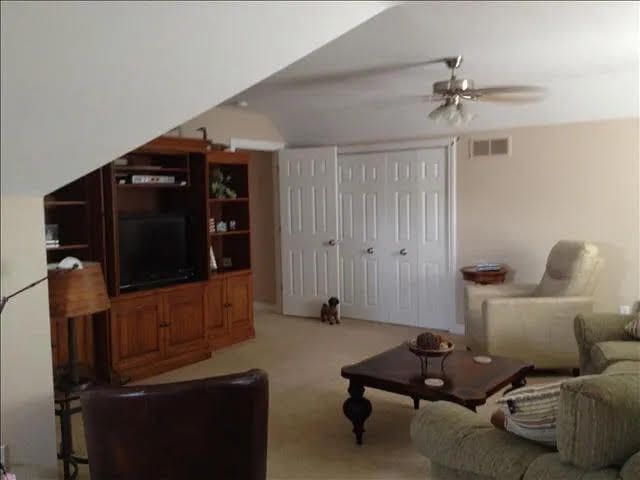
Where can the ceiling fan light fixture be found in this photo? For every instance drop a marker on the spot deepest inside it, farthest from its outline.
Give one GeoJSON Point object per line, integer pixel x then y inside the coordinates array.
{"type": "Point", "coordinates": [453, 112]}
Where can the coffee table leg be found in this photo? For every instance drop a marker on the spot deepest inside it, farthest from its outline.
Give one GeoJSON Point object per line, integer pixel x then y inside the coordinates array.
{"type": "Point", "coordinates": [357, 409]}
{"type": "Point", "coordinates": [521, 382]}
{"type": "Point", "coordinates": [416, 403]}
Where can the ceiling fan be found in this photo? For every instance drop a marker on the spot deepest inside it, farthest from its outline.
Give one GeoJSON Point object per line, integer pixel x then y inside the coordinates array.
{"type": "Point", "coordinates": [452, 94]}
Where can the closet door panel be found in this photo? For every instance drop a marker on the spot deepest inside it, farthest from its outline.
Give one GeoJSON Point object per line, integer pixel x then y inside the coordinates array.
{"type": "Point", "coordinates": [403, 201]}
{"type": "Point", "coordinates": [434, 280]}
{"type": "Point", "coordinates": [361, 218]}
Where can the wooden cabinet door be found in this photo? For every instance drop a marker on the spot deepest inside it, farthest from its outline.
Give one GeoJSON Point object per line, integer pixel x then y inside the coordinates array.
{"type": "Point", "coordinates": [184, 327]}
{"type": "Point", "coordinates": [136, 331]}
{"type": "Point", "coordinates": [239, 301]}
{"type": "Point", "coordinates": [217, 325]}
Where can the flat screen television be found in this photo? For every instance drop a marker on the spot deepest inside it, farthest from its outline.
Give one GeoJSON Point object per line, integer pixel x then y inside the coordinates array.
{"type": "Point", "coordinates": [153, 251]}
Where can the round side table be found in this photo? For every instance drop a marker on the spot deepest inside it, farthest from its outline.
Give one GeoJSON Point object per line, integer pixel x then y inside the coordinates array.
{"type": "Point", "coordinates": [471, 274]}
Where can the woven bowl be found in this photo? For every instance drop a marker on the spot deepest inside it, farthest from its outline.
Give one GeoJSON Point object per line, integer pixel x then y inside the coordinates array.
{"type": "Point", "coordinates": [429, 353]}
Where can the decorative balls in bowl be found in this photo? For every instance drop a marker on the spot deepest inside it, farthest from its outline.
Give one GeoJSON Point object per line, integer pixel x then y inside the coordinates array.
{"type": "Point", "coordinates": [430, 344]}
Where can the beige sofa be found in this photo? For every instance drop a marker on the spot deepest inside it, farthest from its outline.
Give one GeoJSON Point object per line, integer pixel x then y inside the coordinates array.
{"type": "Point", "coordinates": [534, 323]}
{"type": "Point", "coordinates": [598, 426]}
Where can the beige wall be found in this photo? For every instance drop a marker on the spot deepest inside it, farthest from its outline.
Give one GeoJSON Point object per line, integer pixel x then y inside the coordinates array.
{"type": "Point", "coordinates": [224, 123]}
{"type": "Point", "coordinates": [27, 421]}
{"type": "Point", "coordinates": [576, 181]}
{"type": "Point", "coordinates": [262, 227]}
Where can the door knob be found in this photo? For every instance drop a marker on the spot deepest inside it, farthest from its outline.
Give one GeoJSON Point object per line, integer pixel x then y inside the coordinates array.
{"type": "Point", "coordinates": [332, 242]}
{"type": "Point", "coordinates": [403, 252]}
{"type": "Point", "coordinates": [370, 251]}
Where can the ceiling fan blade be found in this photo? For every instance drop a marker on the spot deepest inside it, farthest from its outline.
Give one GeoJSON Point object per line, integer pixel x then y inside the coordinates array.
{"type": "Point", "coordinates": [314, 80]}
{"type": "Point", "coordinates": [507, 94]}
{"type": "Point", "coordinates": [394, 102]}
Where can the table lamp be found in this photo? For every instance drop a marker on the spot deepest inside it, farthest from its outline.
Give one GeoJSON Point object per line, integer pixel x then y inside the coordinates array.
{"type": "Point", "coordinates": [75, 293]}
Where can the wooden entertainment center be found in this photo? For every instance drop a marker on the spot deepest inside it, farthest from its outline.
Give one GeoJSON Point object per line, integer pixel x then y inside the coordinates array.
{"type": "Point", "coordinates": [150, 330]}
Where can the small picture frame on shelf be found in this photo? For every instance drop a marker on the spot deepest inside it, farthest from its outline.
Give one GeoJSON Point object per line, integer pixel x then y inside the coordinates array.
{"type": "Point", "coordinates": [51, 235]}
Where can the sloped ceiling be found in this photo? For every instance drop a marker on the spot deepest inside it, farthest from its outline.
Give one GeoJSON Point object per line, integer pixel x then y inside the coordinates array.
{"type": "Point", "coordinates": [84, 82]}
{"type": "Point", "coordinates": [584, 53]}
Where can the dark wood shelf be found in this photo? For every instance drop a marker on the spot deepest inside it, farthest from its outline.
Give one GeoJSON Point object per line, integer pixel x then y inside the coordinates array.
{"type": "Point", "coordinates": [231, 232]}
{"type": "Point", "coordinates": [63, 203]}
{"type": "Point", "coordinates": [228, 200]}
{"type": "Point", "coordinates": [73, 246]}
{"type": "Point", "coordinates": [149, 168]}
{"type": "Point", "coordinates": [229, 272]}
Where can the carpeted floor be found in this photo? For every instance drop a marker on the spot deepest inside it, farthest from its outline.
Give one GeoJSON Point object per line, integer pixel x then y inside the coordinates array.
{"type": "Point", "coordinates": [309, 437]}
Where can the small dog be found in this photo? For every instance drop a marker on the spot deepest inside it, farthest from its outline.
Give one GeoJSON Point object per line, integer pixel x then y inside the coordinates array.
{"type": "Point", "coordinates": [329, 312]}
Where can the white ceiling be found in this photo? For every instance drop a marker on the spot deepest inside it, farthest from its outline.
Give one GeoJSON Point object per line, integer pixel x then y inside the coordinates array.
{"type": "Point", "coordinates": [585, 54]}
{"type": "Point", "coordinates": [85, 82]}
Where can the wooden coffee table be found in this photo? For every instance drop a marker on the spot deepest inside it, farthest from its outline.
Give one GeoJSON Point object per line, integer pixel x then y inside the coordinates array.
{"type": "Point", "coordinates": [398, 370]}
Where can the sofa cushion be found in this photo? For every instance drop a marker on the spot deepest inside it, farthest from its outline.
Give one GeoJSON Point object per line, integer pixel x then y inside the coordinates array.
{"type": "Point", "coordinates": [631, 468]}
{"type": "Point", "coordinates": [551, 467]}
{"type": "Point", "coordinates": [625, 366]}
{"type": "Point", "coordinates": [597, 420]}
{"type": "Point", "coordinates": [604, 354]}
{"type": "Point", "coordinates": [456, 438]}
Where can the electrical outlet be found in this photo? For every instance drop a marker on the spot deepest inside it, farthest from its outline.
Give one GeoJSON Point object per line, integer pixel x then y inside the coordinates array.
{"type": "Point", "coordinates": [625, 309]}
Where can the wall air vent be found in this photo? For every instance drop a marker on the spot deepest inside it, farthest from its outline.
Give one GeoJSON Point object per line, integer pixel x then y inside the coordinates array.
{"type": "Point", "coordinates": [490, 147]}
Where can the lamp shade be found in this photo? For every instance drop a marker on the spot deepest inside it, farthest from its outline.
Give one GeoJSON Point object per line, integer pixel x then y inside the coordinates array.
{"type": "Point", "coordinates": [73, 293]}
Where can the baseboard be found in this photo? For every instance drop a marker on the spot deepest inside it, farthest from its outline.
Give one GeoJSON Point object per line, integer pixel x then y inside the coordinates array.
{"type": "Point", "coordinates": [265, 307]}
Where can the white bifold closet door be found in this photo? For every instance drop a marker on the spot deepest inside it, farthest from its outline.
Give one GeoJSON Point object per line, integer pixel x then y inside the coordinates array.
{"type": "Point", "coordinates": [308, 222]}
{"type": "Point", "coordinates": [387, 212]}
{"type": "Point", "coordinates": [362, 230]}
{"type": "Point", "coordinates": [419, 284]}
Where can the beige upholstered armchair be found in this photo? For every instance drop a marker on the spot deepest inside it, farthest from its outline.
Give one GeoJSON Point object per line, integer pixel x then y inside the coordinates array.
{"type": "Point", "coordinates": [534, 323]}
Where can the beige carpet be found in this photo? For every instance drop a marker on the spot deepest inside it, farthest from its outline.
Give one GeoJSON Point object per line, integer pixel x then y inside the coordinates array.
{"type": "Point", "coordinates": [309, 437]}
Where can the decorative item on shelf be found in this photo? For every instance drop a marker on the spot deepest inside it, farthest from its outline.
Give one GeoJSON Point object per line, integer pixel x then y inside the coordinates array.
{"type": "Point", "coordinates": [213, 265]}
{"type": "Point", "coordinates": [205, 137]}
{"type": "Point", "coordinates": [221, 226]}
{"type": "Point", "coordinates": [51, 235]}
{"type": "Point", "coordinates": [232, 225]}
{"type": "Point", "coordinates": [219, 185]}
{"type": "Point", "coordinates": [212, 225]}
{"type": "Point", "coordinates": [430, 345]}
{"type": "Point", "coordinates": [226, 262]}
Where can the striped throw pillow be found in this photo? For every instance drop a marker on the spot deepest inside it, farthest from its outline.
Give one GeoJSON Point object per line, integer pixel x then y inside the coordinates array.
{"type": "Point", "coordinates": [633, 327]}
{"type": "Point", "coordinates": [531, 412]}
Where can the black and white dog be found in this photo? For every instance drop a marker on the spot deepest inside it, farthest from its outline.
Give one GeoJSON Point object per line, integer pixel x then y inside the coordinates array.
{"type": "Point", "coordinates": [329, 312]}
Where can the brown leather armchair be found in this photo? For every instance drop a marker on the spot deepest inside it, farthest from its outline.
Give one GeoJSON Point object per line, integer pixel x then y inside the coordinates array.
{"type": "Point", "coordinates": [213, 429]}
